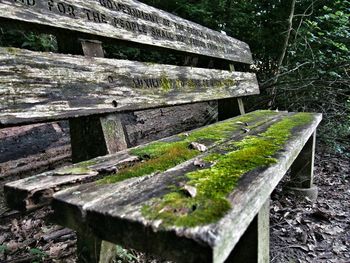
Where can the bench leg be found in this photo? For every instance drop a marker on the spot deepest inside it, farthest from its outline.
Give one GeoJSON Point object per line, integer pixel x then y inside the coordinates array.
{"type": "Point", "coordinates": [229, 108]}
{"type": "Point", "coordinates": [91, 249]}
{"type": "Point", "coordinates": [88, 247]}
{"type": "Point", "coordinates": [302, 171]}
{"type": "Point", "coordinates": [96, 136]}
{"type": "Point", "coordinates": [92, 136]}
{"type": "Point", "coordinates": [254, 245]}
{"type": "Point", "coordinates": [108, 252]}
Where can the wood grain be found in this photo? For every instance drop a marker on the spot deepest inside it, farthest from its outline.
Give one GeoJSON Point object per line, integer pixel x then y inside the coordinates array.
{"type": "Point", "coordinates": [126, 20]}
{"type": "Point", "coordinates": [36, 191]}
{"type": "Point", "coordinates": [38, 86]}
{"type": "Point", "coordinates": [114, 211]}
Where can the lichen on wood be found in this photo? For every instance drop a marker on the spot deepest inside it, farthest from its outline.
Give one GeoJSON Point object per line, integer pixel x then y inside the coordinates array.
{"type": "Point", "coordinates": [130, 21]}
{"type": "Point", "coordinates": [37, 87]}
{"type": "Point", "coordinates": [77, 169]}
{"type": "Point", "coordinates": [160, 156]}
{"type": "Point", "coordinates": [116, 212]}
{"type": "Point", "coordinates": [214, 184]}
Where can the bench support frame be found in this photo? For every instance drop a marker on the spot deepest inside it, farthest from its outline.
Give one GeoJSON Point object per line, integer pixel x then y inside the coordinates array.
{"type": "Point", "coordinates": [254, 245]}
{"type": "Point", "coordinates": [93, 136]}
{"type": "Point", "coordinates": [302, 172]}
{"type": "Point", "coordinates": [96, 136]}
{"type": "Point", "coordinates": [92, 249]}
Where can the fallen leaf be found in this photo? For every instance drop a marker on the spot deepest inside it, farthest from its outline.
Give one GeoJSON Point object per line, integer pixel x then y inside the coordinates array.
{"type": "Point", "coordinates": [199, 147]}
{"type": "Point", "coordinates": [12, 246]}
{"type": "Point", "coordinates": [338, 248]}
{"type": "Point", "coordinates": [190, 190]}
{"type": "Point", "coordinates": [57, 249]}
{"type": "Point", "coordinates": [322, 215]}
{"type": "Point", "coordinates": [333, 230]}
{"type": "Point", "coordinates": [199, 163]}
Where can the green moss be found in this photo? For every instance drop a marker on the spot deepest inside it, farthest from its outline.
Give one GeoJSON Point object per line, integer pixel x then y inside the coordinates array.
{"type": "Point", "coordinates": [214, 184]}
{"type": "Point", "coordinates": [191, 84]}
{"type": "Point", "coordinates": [175, 207]}
{"type": "Point", "coordinates": [161, 156]}
{"type": "Point", "coordinates": [12, 50]}
{"type": "Point", "coordinates": [178, 84]}
{"type": "Point", "coordinates": [77, 169]}
{"type": "Point", "coordinates": [73, 171]}
{"type": "Point", "coordinates": [230, 82]}
{"type": "Point", "coordinates": [159, 160]}
{"type": "Point", "coordinates": [225, 83]}
{"type": "Point", "coordinates": [166, 85]}
{"type": "Point", "coordinates": [88, 163]}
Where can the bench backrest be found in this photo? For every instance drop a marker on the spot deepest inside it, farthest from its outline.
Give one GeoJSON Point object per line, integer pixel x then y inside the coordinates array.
{"type": "Point", "coordinates": [37, 87]}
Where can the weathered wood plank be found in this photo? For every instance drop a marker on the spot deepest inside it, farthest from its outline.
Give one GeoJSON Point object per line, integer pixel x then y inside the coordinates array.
{"type": "Point", "coordinates": [302, 170]}
{"type": "Point", "coordinates": [254, 245]}
{"type": "Point", "coordinates": [44, 86]}
{"type": "Point", "coordinates": [36, 191]}
{"type": "Point", "coordinates": [154, 124]}
{"type": "Point", "coordinates": [302, 173]}
{"type": "Point", "coordinates": [127, 20]}
{"type": "Point", "coordinates": [94, 136]}
{"type": "Point", "coordinates": [115, 212]}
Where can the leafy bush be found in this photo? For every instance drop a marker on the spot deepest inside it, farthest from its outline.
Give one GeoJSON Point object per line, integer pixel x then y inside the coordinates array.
{"type": "Point", "coordinates": [318, 67]}
{"type": "Point", "coordinates": [28, 40]}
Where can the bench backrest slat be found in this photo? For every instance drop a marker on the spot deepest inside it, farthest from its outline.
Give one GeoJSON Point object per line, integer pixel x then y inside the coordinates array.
{"type": "Point", "coordinates": [126, 20]}
{"type": "Point", "coordinates": [37, 86]}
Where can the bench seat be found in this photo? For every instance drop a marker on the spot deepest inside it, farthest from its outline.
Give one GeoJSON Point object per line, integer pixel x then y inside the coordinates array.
{"type": "Point", "coordinates": [195, 208]}
{"type": "Point", "coordinates": [36, 191]}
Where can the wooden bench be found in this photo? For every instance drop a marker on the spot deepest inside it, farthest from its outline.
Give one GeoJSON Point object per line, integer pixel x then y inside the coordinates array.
{"type": "Point", "coordinates": [199, 196]}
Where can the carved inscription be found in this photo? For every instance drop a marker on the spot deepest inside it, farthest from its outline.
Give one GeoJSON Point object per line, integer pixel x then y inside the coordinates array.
{"type": "Point", "coordinates": [189, 35]}
{"type": "Point", "coordinates": [61, 8]}
{"type": "Point", "coordinates": [26, 2]}
{"type": "Point", "coordinates": [133, 20]}
{"type": "Point", "coordinates": [60, 86]}
{"type": "Point", "coordinates": [168, 84]}
{"type": "Point", "coordinates": [114, 6]}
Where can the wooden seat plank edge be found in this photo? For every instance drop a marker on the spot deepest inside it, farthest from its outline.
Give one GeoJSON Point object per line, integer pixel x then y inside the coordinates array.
{"type": "Point", "coordinates": [116, 226]}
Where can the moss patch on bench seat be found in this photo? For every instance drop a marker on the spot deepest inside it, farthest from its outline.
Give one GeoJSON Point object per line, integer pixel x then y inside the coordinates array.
{"type": "Point", "coordinates": [161, 156]}
{"type": "Point", "coordinates": [76, 169]}
{"type": "Point", "coordinates": [214, 184]}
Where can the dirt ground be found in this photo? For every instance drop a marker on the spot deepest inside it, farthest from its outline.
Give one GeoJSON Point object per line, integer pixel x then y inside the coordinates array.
{"type": "Point", "coordinates": [301, 231]}
{"type": "Point", "coordinates": [319, 232]}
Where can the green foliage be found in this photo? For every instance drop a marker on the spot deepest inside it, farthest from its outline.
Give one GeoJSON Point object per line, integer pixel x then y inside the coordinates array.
{"type": "Point", "coordinates": [320, 53]}
{"type": "Point", "coordinates": [125, 256]}
{"type": "Point", "coordinates": [39, 255]}
{"type": "Point", "coordinates": [3, 249]}
{"type": "Point", "coordinates": [28, 40]}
